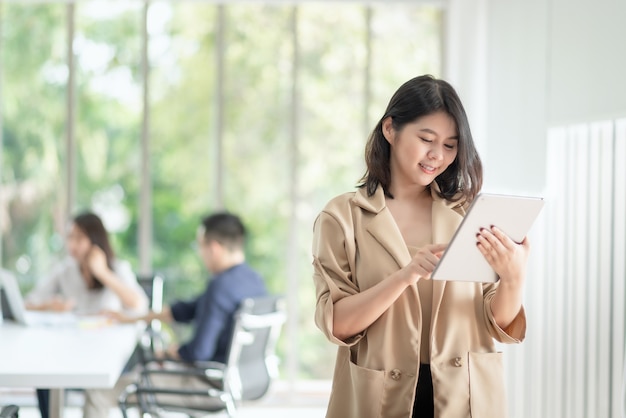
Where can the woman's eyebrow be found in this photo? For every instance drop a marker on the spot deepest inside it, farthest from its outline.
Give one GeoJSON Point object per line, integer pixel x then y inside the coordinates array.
{"type": "Point", "coordinates": [430, 131]}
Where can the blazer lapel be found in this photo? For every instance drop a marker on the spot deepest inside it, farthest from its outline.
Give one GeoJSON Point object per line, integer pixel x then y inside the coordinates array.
{"type": "Point", "coordinates": [382, 226]}
{"type": "Point", "coordinates": [385, 230]}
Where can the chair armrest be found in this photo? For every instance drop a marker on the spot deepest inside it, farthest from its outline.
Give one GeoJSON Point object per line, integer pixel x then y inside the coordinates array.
{"type": "Point", "coordinates": [212, 392]}
{"type": "Point", "coordinates": [160, 361]}
{"type": "Point", "coordinates": [174, 372]}
{"type": "Point", "coordinates": [207, 369]}
{"type": "Point", "coordinates": [209, 365]}
{"type": "Point", "coordinates": [196, 364]}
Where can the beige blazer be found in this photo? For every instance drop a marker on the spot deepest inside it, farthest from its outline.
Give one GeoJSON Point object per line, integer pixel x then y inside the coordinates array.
{"type": "Point", "coordinates": [356, 244]}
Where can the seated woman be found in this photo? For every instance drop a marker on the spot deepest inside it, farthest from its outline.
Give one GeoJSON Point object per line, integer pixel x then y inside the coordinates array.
{"type": "Point", "coordinates": [88, 281]}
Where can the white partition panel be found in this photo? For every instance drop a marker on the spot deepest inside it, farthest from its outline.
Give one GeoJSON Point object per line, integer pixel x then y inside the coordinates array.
{"type": "Point", "coordinates": [563, 276]}
{"type": "Point", "coordinates": [619, 272]}
{"type": "Point", "coordinates": [533, 361]}
{"type": "Point", "coordinates": [553, 283]}
{"type": "Point", "coordinates": [591, 302]}
{"type": "Point", "coordinates": [577, 262]}
{"type": "Point", "coordinates": [602, 134]}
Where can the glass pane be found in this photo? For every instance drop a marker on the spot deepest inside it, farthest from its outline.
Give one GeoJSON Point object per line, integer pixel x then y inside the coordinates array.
{"type": "Point", "coordinates": [182, 90]}
{"type": "Point", "coordinates": [34, 75]}
{"type": "Point", "coordinates": [107, 46]}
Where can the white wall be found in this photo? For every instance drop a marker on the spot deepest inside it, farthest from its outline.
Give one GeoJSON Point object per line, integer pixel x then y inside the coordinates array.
{"type": "Point", "coordinates": [587, 60]}
{"type": "Point", "coordinates": [549, 63]}
{"type": "Point", "coordinates": [558, 67]}
{"type": "Point", "coordinates": [465, 61]}
{"type": "Point", "coordinates": [517, 95]}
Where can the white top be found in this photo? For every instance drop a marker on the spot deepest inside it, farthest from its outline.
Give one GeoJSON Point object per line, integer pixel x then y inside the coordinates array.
{"type": "Point", "coordinates": [66, 281]}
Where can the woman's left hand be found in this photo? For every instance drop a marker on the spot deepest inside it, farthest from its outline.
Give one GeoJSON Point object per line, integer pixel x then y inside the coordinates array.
{"type": "Point", "coordinates": [97, 261]}
{"type": "Point", "coordinates": [506, 257]}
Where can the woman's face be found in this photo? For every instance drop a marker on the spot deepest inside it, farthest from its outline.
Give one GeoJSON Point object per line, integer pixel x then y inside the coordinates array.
{"type": "Point", "coordinates": [422, 150]}
{"type": "Point", "coordinates": [78, 244]}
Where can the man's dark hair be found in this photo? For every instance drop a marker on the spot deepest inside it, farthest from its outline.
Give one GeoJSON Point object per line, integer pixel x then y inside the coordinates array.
{"type": "Point", "coordinates": [225, 228]}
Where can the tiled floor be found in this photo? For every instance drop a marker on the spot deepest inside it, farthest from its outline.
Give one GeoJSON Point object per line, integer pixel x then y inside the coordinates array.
{"type": "Point", "coordinates": [305, 400]}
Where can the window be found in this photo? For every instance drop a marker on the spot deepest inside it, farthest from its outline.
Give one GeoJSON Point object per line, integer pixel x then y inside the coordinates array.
{"type": "Point", "coordinates": [263, 109]}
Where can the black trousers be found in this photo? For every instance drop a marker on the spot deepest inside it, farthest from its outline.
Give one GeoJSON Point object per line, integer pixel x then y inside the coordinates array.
{"type": "Point", "coordinates": [424, 405]}
{"type": "Point", "coordinates": [43, 400]}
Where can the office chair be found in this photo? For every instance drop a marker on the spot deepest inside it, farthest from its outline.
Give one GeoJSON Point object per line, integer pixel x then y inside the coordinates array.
{"type": "Point", "coordinates": [250, 367]}
{"type": "Point", "coordinates": [152, 284]}
{"type": "Point", "coordinates": [9, 411]}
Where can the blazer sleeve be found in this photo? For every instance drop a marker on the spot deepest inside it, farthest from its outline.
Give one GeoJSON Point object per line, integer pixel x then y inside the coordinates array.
{"type": "Point", "coordinates": [334, 256]}
{"type": "Point", "coordinates": [515, 332]}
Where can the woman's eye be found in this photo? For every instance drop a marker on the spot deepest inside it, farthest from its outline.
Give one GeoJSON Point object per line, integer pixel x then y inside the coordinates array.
{"type": "Point", "coordinates": [448, 146]}
{"type": "Point", "coordinates": [426, 140]}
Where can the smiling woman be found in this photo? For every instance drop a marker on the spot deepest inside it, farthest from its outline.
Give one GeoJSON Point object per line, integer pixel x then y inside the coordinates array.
{"type": "Point", "coordinates": [374, 251]}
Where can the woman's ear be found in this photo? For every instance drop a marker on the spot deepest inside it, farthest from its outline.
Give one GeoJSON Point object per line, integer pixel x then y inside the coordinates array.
{"type": "Point", "coordinates": [388, 131]}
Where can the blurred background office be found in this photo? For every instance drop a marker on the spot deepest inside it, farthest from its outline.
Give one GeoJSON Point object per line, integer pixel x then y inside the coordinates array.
{"type": "Point", "coordinates": [155, 113]}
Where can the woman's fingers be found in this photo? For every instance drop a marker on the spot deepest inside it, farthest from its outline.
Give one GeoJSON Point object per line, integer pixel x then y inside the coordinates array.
{"type": "Point", "coordinates": [437, 249]}
{"type": "Point", "coordinates": [431, 254]}
{"type": "Point", "coordinates": [504, 255]}
{"type": "Point", "coordinates": [503, 239]}
{"type": "Point", "coordinates": [494, 242]}
{"type": "Point", "coordinates": [425, 260]}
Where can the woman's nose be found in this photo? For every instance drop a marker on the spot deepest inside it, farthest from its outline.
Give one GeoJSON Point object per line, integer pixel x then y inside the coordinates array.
{"type": "Point", "coordinates": [435, 153]}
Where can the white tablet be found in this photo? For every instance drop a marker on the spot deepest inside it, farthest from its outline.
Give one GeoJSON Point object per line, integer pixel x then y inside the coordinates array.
{"type": "Point", "coordinates": [462, 260]}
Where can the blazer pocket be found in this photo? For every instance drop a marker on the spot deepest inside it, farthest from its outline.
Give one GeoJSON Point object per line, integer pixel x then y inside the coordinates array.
{"type": "Point", "coordinates": [368, 386]}
{"type": "Point", "coordinates": [487, 391]}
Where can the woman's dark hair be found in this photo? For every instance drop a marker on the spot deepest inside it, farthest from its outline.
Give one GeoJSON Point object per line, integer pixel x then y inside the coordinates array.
{"type": "Point", "coordinates": [418, 97]}
{"type": "Point", "coordinates": [225, 228]}
{"type": "Point", "coordinates": [91, 225]}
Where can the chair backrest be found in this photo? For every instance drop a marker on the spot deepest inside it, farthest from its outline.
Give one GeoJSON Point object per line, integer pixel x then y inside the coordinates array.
{"type": "Point", "coordinates": [252, 362]}
{"type": "Point", "coordinates": [152, 284]}
{"type": "Point", "coordinates": [9, 411]}
{"type": "Point", "coordinates": [151, 342]}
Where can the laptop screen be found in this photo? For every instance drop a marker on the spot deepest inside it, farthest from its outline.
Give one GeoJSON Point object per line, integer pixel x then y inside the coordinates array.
{"type": "Point", "coordinates": [4, 304]}
{"type": "Point", "coordinates": [11, 298]}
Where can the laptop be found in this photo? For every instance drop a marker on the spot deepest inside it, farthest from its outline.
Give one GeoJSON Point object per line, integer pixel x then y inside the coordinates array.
{"type": "Point", "coordinates": [462, 260]}
{"type": "Point", "coordinates": [13, 308]}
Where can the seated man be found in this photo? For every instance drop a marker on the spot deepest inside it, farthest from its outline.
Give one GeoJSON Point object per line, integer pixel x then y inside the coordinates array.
{"type": "Point", "coordinates": [221, 245]}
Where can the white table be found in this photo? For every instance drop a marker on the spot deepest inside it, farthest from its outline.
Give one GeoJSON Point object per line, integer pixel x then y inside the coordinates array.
{"type": "Point", "coordinates": [64, 356]}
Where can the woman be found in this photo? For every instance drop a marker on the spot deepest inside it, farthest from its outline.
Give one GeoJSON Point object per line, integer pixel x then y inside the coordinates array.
{"type": "Point", "coordinates": [409, 346]}
{"type": "Point", "coordinates": [90, 280]}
